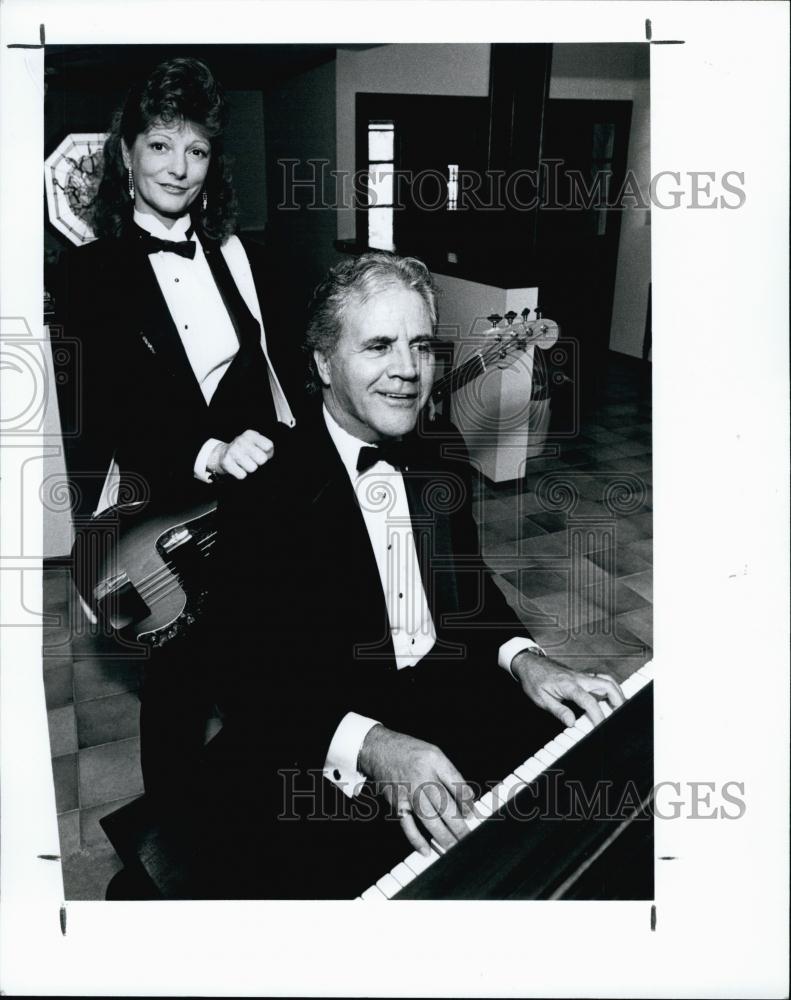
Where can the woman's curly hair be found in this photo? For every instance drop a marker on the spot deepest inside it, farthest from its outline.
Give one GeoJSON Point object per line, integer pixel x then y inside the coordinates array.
{"type": "Point", "coordinates": [177, 90]}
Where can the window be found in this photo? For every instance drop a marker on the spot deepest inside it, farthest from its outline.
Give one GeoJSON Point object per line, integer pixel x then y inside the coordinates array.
{"type": "Point", "coordinates": [453, 187]}
{"type": "Point", "coordinates": [381, 146]}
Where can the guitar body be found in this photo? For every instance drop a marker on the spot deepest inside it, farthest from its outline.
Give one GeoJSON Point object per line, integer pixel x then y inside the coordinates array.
{"type": "Point", "coordinates": [142, 569]}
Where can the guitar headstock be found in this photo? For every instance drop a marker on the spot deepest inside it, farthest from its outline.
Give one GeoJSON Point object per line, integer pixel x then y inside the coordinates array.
{"type": "Point", "coordinates": [542, 333]}
{"type": "Point", "coordinates": [517, 336]}
{"type": "Point", "coordinates": [500, 346]}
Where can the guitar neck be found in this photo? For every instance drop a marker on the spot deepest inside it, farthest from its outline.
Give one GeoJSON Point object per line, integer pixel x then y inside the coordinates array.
{"type": "Point", "coordinates": [455, 379]}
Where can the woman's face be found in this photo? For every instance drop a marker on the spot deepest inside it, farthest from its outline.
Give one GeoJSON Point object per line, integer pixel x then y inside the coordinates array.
{"type": "Point", "coordinates": [169, 165]}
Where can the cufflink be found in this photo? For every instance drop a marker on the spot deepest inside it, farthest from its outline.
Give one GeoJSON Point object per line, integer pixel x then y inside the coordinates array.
{"type": "Point", "coordinates": [336, 774]}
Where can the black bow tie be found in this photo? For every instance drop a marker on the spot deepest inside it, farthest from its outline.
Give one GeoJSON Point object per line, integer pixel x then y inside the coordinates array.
{"type": "Point", "coordinates": [152, 244]}
{"type": "Point", "coordinates": [396, 453]}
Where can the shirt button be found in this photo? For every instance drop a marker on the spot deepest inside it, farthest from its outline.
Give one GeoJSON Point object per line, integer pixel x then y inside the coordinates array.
{"type": "Point", "coordinates": [186, 326]}
{"type": "Point", "coordinates": [177, 280]}
{"type": "Point", "coordinates": [413, 642]}
{"type": "Point", "coordinates": [400, 595]}
{"type": "Point", "coordinates": [336, 774]}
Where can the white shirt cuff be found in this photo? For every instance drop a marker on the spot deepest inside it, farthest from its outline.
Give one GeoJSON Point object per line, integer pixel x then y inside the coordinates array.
{"type": "Point", "coordinates": [199, 469]}
{"type": "Point", "coordinates": [509, 649]}
{"type": "Point", "coordinates": [340, 767]}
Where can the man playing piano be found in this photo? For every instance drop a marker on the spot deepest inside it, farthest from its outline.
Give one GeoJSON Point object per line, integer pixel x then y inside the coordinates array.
{"type": "Point", "coordinates": [370, 674]}
{"type": "Point", "coordinates": [399, 662]}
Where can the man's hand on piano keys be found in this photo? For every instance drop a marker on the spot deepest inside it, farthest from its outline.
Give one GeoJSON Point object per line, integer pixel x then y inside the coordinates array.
{"type": "Point", "coordinates": [549, 684]}
{"type": "Point", "coordinates": [419, 783]}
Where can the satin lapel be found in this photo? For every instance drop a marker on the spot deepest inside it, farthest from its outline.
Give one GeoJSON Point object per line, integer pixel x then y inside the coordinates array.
{"type": "Point", "coordinates": [266, 287]}
{"type": "Point", "coordinates": [247, 327]}
{"type": "Point", "coordinates": [332, 494]}
{"type": "Point", "coordinates": [150, 320]}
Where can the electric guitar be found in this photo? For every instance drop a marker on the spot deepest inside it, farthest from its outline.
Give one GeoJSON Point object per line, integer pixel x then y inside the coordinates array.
{"type": "Point", "coordinates": [141, 569]}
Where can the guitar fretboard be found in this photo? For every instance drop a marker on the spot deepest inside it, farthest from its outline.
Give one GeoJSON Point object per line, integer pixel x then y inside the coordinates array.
{"type": "Point", "coordinates": [466, 372]}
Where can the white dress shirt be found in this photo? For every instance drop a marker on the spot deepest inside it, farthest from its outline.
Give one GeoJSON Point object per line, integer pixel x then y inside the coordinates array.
{"type": "Point", "coordinates": [203, 323]}
{"type": "Point", "coordinates": [382, 498]}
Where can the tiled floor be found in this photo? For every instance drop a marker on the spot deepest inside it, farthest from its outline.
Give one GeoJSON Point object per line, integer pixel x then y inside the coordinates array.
{"type": "Point", "coordinates": [571, 549]}
{"type": "Point", "coordinates": [91, 688]}
{"type": "Point", "coordinates": [571, 544]}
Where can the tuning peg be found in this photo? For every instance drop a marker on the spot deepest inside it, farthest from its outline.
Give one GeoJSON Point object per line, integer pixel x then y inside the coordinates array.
{"type": "Point", "coordinates": [524, 314]}
{"type": "Point", "coordinates": [510, 316]}
{"type": "Point", "coordinates": [494, 319]}
{"type": "Point", "coordinates": [538, 313]}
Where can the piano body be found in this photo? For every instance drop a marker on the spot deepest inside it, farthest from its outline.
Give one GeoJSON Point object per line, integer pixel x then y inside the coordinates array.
{"type": "Point", "coordinates": [573, 822]}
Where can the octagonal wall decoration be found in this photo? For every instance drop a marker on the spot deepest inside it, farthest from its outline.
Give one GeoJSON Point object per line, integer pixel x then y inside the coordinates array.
{"type": "Point", "coordinates": [71, 176]}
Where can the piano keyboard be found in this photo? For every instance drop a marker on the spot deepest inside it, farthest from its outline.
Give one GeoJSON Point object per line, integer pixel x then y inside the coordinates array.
{"type": "Point", "coordinates": [549, 756]}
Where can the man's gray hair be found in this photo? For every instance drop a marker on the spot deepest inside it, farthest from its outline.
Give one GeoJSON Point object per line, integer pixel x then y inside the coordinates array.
{"type": "Point", "coordinates": [354, 281]}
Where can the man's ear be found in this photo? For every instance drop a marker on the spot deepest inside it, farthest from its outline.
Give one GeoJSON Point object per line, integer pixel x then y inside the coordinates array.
{"type": "Point", "coordinates": [322, 366]}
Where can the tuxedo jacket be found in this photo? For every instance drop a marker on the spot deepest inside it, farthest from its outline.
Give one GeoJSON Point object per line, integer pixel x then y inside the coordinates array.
{"type": "Point", "coordinates": [298, 617]}
{"type": "Point", "coordinates": [133, 394]}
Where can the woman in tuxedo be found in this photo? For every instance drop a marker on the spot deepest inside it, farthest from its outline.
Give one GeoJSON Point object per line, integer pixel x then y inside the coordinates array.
{"type": "Point", "coordinates": [178, 390]}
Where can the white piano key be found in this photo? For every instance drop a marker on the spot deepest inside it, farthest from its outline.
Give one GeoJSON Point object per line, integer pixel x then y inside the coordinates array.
{"type": "Point", "coordinates": [554, 749]}
{"type": "Point", "coordinates": [606, 708]}
{"type": "Point", "coordinates": [473, 822]}
{"type": "Point", "coordinates": [419, 862]}
{"type": "Point", "coordinates": [486, 801]}
{"type": "Point", "coordinates": [512, 784]}
{"type": "Point", "coordinates": [637, 682]}
{"type": "Point", "coordinates": [402, 874]}
{"type": "Point", "coordinates": [546, 759]}
{"type": "Point", "coordinates": [483, 808]}
{"type": "Point", "coordinates": [388, 886]}
{"type": "Point", "coordinates": [499, 797]}
{"type": "Point", "coordinates": [374, 894]}
{"type": "Point", "coordinates": [564, 740]}
{"type": "Point", "coordinates": [529, 770]}
{"type": "Point", "coordinates": [437, 847]}
{"type": "Point", "coordinates": [583, 724]}
{"type": "Point", "coordinates": [630, 686]}
{"type": "Point", "coordinates": [647, 670]}
{"type": "Point", "coordinates": [573, 734]}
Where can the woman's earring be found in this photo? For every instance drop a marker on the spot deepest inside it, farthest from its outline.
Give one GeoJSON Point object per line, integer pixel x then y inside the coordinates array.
{"type": "Point", "coordinates": [205, 201]}
{"type": "Point", "coordinates": [130, 183]}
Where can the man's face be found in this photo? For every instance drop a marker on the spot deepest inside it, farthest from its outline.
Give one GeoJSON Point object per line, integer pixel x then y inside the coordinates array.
{"type": "Point", "coordinates": [380, 374]}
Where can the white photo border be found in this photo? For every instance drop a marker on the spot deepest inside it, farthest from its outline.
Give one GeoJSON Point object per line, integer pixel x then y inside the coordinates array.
{"type": "Point", "coordinates": [719, 102]}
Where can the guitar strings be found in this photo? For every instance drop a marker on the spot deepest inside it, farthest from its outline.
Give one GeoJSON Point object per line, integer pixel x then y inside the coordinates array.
{"type": "Point", "coordinates": [149, 584]}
